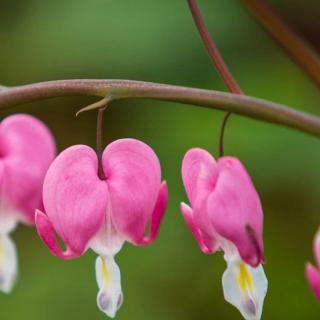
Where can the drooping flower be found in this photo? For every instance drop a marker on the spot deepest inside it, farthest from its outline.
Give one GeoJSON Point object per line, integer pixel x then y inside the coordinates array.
{"type": "Point", "coordinates": [26, 151]}
{"type": "Point", "coordinates": [87, 212]}
{"type": "Point", "coordinates": [226, 214]}
{"type": "Point", "coordinates": [313, 272]}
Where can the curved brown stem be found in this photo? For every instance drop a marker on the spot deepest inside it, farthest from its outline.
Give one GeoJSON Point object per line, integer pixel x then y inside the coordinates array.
{"type": "Point", "coordinates": [219, 63]}
{"type": "Point", "coordinates": [127, 89]}
{"type": "Point", "coordinates": [213, 50]}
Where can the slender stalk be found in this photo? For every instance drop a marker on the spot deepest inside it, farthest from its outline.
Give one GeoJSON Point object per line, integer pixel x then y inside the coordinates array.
{"type": "Point", "coordinates": [128, 89]}
{"type": "Point", "coordinates": [213, 50]}
{"type": "Point", "coordinates": [222, 130]}
{"type": "Point", "coordinates": [219, 63]}
{"type": "Point", "coordinates": [299, 50]}
{"type": "Point", "coordinates": [101, 173]}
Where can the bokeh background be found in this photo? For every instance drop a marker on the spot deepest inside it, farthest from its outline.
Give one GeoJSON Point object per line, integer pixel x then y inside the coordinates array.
{"type": "Point", "coordinates": [156, 41]}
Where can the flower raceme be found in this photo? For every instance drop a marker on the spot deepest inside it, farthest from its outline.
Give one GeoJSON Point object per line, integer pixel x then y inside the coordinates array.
{"type": "Point", "coordinates": [26, 150]}
{"type": "Point", "coordinates": [226, 214]}
{"type": "Point", "coordinates": [87, 212]}
{"type": "Point", "coordinates": [313, 272]}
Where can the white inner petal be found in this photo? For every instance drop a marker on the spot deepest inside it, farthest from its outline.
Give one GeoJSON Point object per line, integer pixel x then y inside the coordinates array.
{"type": "Point", "coordinates": [245, 288]}
{"type": "Point", "coordinates": [110, 297]}
{"type": "Point", "coordinates": [8, 263]}
{"type": "Point", "coordinates": [107, 241]}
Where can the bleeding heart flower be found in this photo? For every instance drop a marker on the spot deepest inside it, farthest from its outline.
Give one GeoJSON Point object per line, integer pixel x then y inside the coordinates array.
{"type": "Point", "coordinates": [26, 151]}
{"type": "Point", "coordinates": [313, 272]}
{"type": "Point", "coordinates": [226, 215]}
{"type": "Point", "coordinates": [87, 212]}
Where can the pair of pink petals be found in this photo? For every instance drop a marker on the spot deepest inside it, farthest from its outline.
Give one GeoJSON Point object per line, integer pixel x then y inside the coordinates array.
{"type": "Point", "coordinates": [88, 212]}
{"type": "Point", "coordinates": [224, 205]}
{"type": "Point", "coordinates": [27, 149]}
{"type": "Point", "coordinates": [313, 272]}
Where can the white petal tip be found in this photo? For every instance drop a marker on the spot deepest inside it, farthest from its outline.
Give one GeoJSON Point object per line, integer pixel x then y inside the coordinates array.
{"type": "Point", "coordinates": [250, 307]}
{"type": "Point", "coordinates": [245, 288]}
{"type": "Point", "coordinates": [108, 305]}
{"type": "Point", "coordinates": [8, 264]}
{"type": "Point", "coordinates": [7, 284]}
{"type": "Point", "coordinates": [110, 297]}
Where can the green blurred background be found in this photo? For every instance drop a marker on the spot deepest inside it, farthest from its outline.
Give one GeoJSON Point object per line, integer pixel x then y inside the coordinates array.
{"type": "Point", "coordinates": [156, 41]}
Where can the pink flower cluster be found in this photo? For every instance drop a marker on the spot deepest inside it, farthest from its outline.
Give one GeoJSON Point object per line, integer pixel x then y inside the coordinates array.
{"type": "Point", "coordinates": [65, 196]}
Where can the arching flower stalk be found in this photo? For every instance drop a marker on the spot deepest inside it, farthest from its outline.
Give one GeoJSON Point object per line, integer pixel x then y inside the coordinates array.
{"type": "Point", "coordinates": [226, 214]}
{"type": "Point", "coordinates": [26, 151]}
{"type": "Point", "coordinates": [313, 272]}
{"type": "Point", "coordinates": [89, 212]}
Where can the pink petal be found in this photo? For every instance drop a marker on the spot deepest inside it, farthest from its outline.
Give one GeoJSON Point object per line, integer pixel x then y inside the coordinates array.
{"type": "Point", "coordinates": [206, 244]}
{"type": "Point", "coordinates": [157, 215]}
{"type": "Point", "coordinates": [235, 210]}
{"type": "Point", "coordinates": [313, 277]}
{"type": "Point", "coordinates": [134, 180]}
{"type": "Point", "coordinates": [26, 150]}
{"type": "Point", "coordinates": [199, 174]}
{"type": "Point", "coordinates": [46, 233]}
{"type": "Point", "coordinates": [74, 197]}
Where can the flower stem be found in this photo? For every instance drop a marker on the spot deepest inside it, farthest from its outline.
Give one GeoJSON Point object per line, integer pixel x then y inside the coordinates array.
{"type": "Point", "coordinates": [101, 173]}
{"type": "Point", "coordinates": [222, 130]}
{"type": "Point", "coordinates": [299, 50]}
{"type": "Point", "coordinates": [251, 107]}
{"type": "Point", "coordinates": [213, 50]}
{"type": "Point", "coordinates": [219, 63]}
